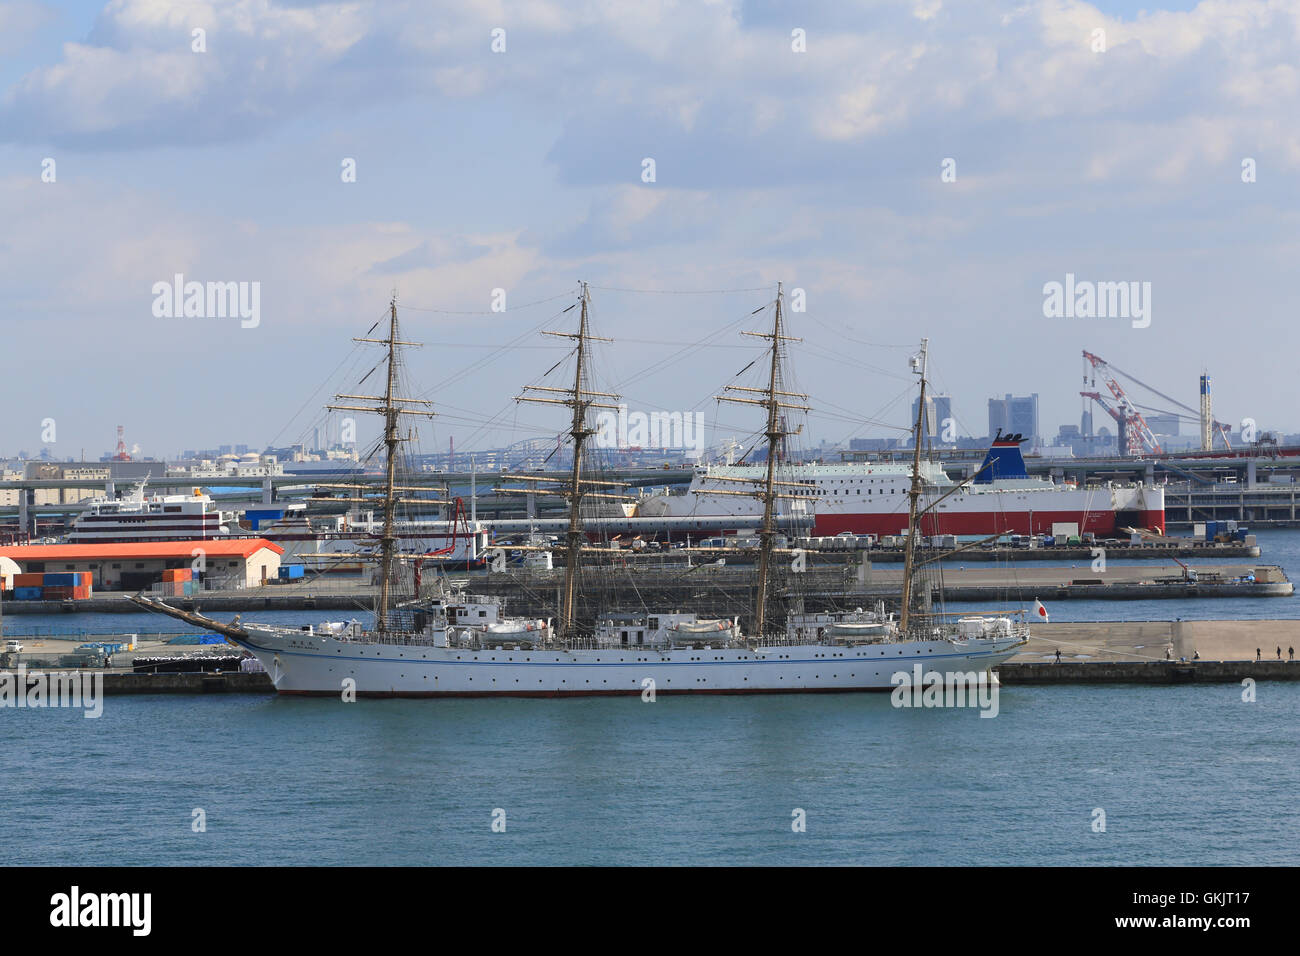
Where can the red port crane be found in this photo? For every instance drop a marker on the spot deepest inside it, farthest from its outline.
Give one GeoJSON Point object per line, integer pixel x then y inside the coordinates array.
{"type": "Point", "coordinates": [1136, 435]}
{"type": "Point", "coordinates": [121, 454]}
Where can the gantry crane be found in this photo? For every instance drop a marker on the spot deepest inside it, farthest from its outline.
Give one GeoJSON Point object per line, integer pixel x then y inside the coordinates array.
{"type": "Point", "coordinates": [1136, 437]}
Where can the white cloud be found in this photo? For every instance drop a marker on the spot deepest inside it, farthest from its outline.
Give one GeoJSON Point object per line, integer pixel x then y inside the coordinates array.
{"type": "Point", "coordinates": [19, 19]}
{"type": "Point", "coordinates": [135, 83]}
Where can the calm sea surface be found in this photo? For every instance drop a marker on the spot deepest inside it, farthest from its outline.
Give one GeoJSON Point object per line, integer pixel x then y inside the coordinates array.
{"type": "Point", "coordinates": [1185, 775]}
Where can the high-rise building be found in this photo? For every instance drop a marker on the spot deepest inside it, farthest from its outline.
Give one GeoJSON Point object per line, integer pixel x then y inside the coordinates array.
{"type": "Point", "coordinates": [938, 417]}
{"type": "Point", "coordinates": [1015, 414]}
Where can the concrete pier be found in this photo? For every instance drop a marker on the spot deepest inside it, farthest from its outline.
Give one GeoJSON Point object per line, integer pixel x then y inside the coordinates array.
{"type": "Point", "coordinates": [233, 683]}
{"type": "Point", "coordinates": [1147, 672]}
{"type": "Point", "coordinates": [1154, 641]}
{"type": "Point", "coordinates": [1084, 555]}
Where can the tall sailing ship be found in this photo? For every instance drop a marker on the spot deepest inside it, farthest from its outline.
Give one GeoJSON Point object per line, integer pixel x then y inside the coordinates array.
{"type": "Point", "coordinates": [452, 644]}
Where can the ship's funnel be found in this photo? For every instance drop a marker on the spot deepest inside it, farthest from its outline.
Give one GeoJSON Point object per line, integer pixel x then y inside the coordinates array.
{"type": "Point", "coordinates": [1003, 460]}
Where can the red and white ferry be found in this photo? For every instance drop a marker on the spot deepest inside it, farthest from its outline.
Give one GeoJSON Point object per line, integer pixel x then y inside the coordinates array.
{"type": "Point", "coordinates": [871, 498]}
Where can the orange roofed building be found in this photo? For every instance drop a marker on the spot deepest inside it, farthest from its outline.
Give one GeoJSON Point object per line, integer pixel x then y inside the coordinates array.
{"type": "Point", "coordinates": [232, 562]}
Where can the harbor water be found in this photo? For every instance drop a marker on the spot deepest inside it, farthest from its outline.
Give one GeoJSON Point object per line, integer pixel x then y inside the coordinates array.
{"type": "Point", "coordinates": [1184, 775]}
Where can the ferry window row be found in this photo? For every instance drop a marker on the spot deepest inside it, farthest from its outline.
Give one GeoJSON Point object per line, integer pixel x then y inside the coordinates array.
{"type": "Point", "coordinates": [858, 491]}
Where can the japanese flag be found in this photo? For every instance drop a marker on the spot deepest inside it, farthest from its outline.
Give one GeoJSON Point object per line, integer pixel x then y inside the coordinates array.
{"type": "Point", "coordinates": [1040, 612]}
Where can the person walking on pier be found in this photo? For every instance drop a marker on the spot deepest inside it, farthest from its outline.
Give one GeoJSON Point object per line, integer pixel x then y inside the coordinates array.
{"type": "Point", "coordinates": [1279, 652]}
{"type": "Point", "coordinates": [1058, 655]}
{"type": "Point", "coordinates": [1257, 654]}
{"type": "Point", "coordinates": [1290, 653]}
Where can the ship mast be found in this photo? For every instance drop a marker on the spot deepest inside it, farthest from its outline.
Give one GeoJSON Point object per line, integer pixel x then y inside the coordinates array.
{"type": "Point", "coordinates": [390, 405]}
{"type": "Point", "coordinates": [579, 399]}
{"type": "Point", "coordinates": [391, 441]}
{"type": "Point", "coordinates": [776, 433]}
{"type": "Point", "coordinates": [914, 493]}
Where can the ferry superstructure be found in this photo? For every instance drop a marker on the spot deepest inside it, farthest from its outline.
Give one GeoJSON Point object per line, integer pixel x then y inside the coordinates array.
{"type": "Point", "coordinates": [141, 517]}
{"type": "Point", "coordinates": [871, 498]}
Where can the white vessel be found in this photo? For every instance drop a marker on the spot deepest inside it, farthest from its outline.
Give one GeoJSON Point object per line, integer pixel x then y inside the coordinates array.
{"type": "Point", "coordinates": [466, 648]}
{"type": "Point", "coordinates": [141, 517]}
{"type": "Point", "coordinates": [870, 497]}
{"type": "Point", "coordinates": [460, 646]}
{"type": "Point", "coordinates": [446, 662]}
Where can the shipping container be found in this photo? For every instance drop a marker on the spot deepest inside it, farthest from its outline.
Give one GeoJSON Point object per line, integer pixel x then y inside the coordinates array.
{"type": "Point", "coordinates": [29, 580]}
{"type": "Point", "coordinates": [27, 594]}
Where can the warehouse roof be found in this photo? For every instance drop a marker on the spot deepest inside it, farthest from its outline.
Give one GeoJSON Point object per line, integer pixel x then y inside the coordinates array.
{"type": "Point", "coordinates": [220, 548]}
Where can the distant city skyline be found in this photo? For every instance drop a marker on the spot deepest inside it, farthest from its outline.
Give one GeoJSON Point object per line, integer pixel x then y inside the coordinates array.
{"type": "Point", "coordinates": [1164, 426]}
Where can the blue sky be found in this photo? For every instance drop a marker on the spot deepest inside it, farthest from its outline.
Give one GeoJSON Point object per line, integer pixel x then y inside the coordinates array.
{"type": "Point", "coordinates": [522, 170]}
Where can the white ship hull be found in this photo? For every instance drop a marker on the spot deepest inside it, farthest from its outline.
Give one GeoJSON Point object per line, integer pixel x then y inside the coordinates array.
{"type": "Point", "coordinates": [315, 664]}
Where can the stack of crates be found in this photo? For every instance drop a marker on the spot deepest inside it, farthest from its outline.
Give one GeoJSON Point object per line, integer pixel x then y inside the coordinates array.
{"type": "Point", "coordinates": [27, 587]}
{"type": "Point", "coordinates": [177, 582]}
{"type": "Point", "coordinates": [67, 585]}
{"type": "Point", "coordinates": [53, 586]}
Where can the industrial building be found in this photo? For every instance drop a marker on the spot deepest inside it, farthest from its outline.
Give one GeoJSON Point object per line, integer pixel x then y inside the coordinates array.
{"type": "Point", "coordinates": [234, 563]}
